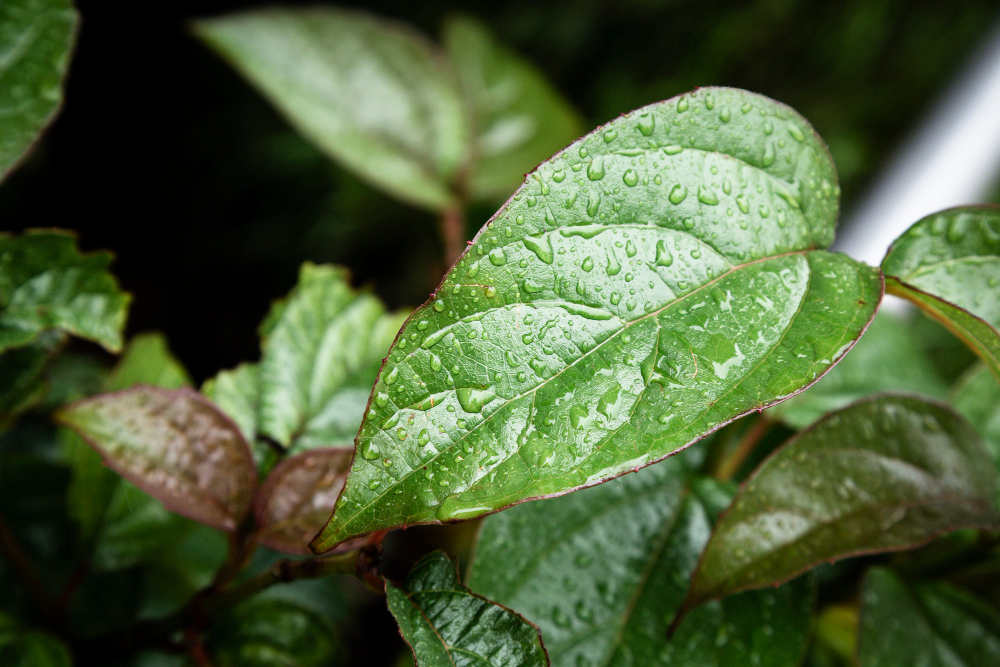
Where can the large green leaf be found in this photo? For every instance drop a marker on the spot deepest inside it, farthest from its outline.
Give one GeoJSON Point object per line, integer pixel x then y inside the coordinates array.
{"type": "Point", "coordinates": [948, 264]}
{"type": "Point", "coordinates": [931, 625]}
{"type": "Point", "coordinates": [47, 283]}
{"type": "Point", "coordinates": [446, 624]}
{"type": "Point", "coordinates": [977, 396]}
{"type": "Point", "coordinates": [175, 446]}
{"type": "Point", "coordinates": [36, 37]}
{"type": "Point", "coordinates": [374, 95]}
{"type": "Point", "coordinates": [273, 633]}
{"type": "Point", "coordinates": [520, 119]}
{"type": "Point", "coordinates": [654, 281]}
{"type": "Point", "coordinates": [883, 474]}
{"type": "Point", "coordinates": [885, 359]}
{"type": "Point", "coordinates": [603, 571]}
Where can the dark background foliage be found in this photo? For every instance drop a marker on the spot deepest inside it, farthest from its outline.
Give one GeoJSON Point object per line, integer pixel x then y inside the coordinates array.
{"type": "Point", "coordinates": [164, 155]}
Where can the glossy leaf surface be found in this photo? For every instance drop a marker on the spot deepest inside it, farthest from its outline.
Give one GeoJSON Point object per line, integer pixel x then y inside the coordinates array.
{"type": "Point", "coordinates": [932, 625]}
{"type": "Point", "coordinates": [978, 398]}
{"type": "Point", "coordinates": [885, 359]}
{"type": "Point", "coordinates": [376, 96]}
{"type": "Point", "coordinates": [654, 281]}
{"type": "Point", "coordinates": [273, 633]}
{"type": "Point", "coordinates": [883, 474]}
{"type": "Point", "coordinates": [36, 37]}
{"type": "Point", "coordinates": [320, 355]}
{"type": "Point", "coordinates": [520, 119]}
{"type": "Point", "coordinates": [47, 283]}
{"type": "Point", "coordinates": [948, 264]}
{"type": "Point", "coordinates": [174, 445]}
{"type": "Point", "coordinates": [297, 498]}
{"type": "Point", "coordinates": [446, 624]}
{"type": "Point", "coordinates": [603, 571]}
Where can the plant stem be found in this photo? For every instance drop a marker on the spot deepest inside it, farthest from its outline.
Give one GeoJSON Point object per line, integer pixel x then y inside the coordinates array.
{"type": "Point", "coordinates": [731, 464]}
{"type": "Point", "coordinates": [452, 228]}
{"type": "Point", "coordinates": [21, 564]}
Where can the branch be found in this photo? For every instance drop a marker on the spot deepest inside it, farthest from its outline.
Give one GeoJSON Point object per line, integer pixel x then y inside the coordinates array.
{"type": "Point", "coordinates": [729, 466]}
{"type": "Point", "coordinates": [452, 228]}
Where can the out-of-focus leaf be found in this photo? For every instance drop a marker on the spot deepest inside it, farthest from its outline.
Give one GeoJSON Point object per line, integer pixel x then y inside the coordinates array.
{"type": "Point", "coordinates": [20, 647]}
{"type": "Point", "coordinates": [932, 625]}
{"type": "Point", "coordinates": [298, 497]}
{"type": "Point", "coordinates": [885, 359]}
{"type": "Point", "coordinates": [174, 445]}
{"type": "Point", "coordinates": [880, 475]}
{"type": "Point", "coordinates": [376, 96]}
{"type": "Point", "coordinates": [22, 371]}
{"type": "Point", "coordinates": [519, 118]}
{"type": "Point", "coordinates": [273, 633]}
{"type": "Point", "coordinates": [180, 568]}
{"type": "Point", "coordinates": [948, 264]}
{"type": "Point", "coordinates": [237, 393]}
{"type": "Point", "coordinates": [47, 283]}
{"type": "Point", "coordinates": [319, 360]}
{"type": "Point", "coordinates": [147, 360]}
{"type": "Point", "coordinates": [654, 281]}
{"type": "Point", "coordinates": [603, 571]}
{"type": "Point", "coordinates": [36, 38]}
{"type": "Point", "coordinates": [446, 624]}
{"type": "Point", "coordinates": [977, 396]}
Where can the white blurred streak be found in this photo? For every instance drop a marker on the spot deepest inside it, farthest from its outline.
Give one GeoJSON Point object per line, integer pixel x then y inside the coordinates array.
{"type": "Point", "coordinates": [952, 158]}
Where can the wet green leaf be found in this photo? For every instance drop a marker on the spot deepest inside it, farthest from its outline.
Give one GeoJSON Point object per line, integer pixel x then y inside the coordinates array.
{"type": "Point", "coordinates": [36, 37]}
{"type": "Point", "coordinates": [47, 283]}
{"type": "Point", "coordinates": [603, 571]}
{"type": "Point", "coordinates": [885, 359]}
{"type": "Point", "coordinates": [654, 281]}
{"type": "Point", "coordinates": [883, 474]}
{"type": "Point", "coordinates": [932, 625]}
{"type": "Point", "coordinates": [446, 624]}
{"type": "Point", "coordinates": [948, 264]}
{"type": "Point", "coordinates": [520, 119]}
{"type": "Point", "coordinates": [298, 497]}
{"type": "Point", "coordinates": [977, 396]}
{"type": "Point", "coordinates": [175, 446]}
{"type": "Point", "coordinates": [376, 96]}
{"type": "Point", "coordinates": [20, 647]}
{"type": "Point", "coordinates": [273, 633]}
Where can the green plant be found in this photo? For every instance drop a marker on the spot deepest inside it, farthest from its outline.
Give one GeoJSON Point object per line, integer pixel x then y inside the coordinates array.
{"type": "Point", "coordinates": [659, 289]}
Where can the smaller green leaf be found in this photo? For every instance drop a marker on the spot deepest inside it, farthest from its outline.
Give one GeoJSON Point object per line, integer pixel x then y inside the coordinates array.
{"type": "Point", "coordinates": [298, 497]}
{"type": "Point", "coordinates": [237, 393]}
{"type": "Point", "coordinates": [376, 96]}
{"type": "Point", "coordinates": [932, 625]}
{"type": "Point", "coordinates": [36, 38]}
{"type": "Point", "coordinates": [977, 397]}
{"type": "Point", "coordinates": [520, 119]}
{"type": "Point", "coordinates": [148, 360]}
{"type": "Point", "coordinates": [447, 624]}
{"type": "Point", "coordinates": [20, 647]}
{"type": "Point", "coordinates": [320, 357]}
{"type": "Point", "coordinates": [47, 283]}
{"type": "Point", "coordinates": [273, 633]}
{"type": "Point", "coordinates": [885, 359]}
{"type": "Point", "coordinates": [948, 264]}
{"type": "Point", "coordinates": [173, 444]}
{"type": "Point", "coordinates": [884, 474]}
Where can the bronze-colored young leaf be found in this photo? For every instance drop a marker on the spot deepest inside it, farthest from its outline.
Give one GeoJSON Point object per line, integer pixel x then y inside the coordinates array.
{"type": "Point", "coordinates": [446, 624]}
{"type": "Point", "coordinates": [297, 498]}
{"type": "Point", "coordinates": [948, 264]}
{"type": "Point", "coordinates": [931, 624]}
{"type": "Point", "coordinates": [36, 38]}
{"type": "Point", "coordinates": [47, 283]}
{"type": "Point", "coordinates": [376, 96]}
{"type": "Point", "coordinates": [603, 571]}
{"type": "Point", "coordinates": [174, 445]}
{"type": "Point", "coordinates": [657, 279]}
{"type": "Point", "coordinates": [884, 474]}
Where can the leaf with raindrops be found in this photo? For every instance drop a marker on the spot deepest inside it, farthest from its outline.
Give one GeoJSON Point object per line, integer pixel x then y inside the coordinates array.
{"type": "Point", "coordinates": [36, 39]}
{"type": "Point", "coordinates": [883, 474]}
{"type": "Point", "coordinates": [948, 264]}
{"type": "Point", "coordinates": [446, 624]}
{"type": "Point", "coordinates": [602, 573]}
{"type": "Point", "coordinates": [931, 624]}
{"type": "Point", "coordinates": [654, 281]}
